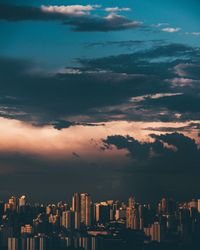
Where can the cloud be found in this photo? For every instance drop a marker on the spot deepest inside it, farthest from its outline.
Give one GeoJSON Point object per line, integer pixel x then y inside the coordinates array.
{"type": "Point", "coordinates": [162, 65]}
{"type": "Point", "coordinates": [160, 25]}
{"type": "Point", "coordinates": [191, 70]}
{"type": "Point", "coordinates": [159, 155]}
{"type": "Point", "coordinates": [76, 16]}
{"type": "Point", "coordinates": [147, 60]}
{"type": "Point", "coordinates": [185, 82]}
{"type": "Point", "coordinates": [111, 22]}
{"type": "Point", "coordinates": [193, 33]}
{"type": "Point", "coordinates": [70, 9]}
{"type": "Point", "coordinates": [125, 43]}
{"type": "Point", "coordinates": [61, 155]}
{"type": "Point", "coordinates": [61, 124]}
{"type": "Point", "coordinates": [180, 103]}
{"type": "Point", "coordinates": [140, 86]}
{"type": "Point", "coordinates": [186, 128]}
{"type": "Point", "coordinates": [157, 165]}
{"type": "Point", "coordinates": [171, 30]}
{"type": "Point", "coordinates": [76, 155]}
{"type": "Point", "coordinates": [154, 96]}
{"type": "Point", "coordinates": [116, 9]}
{"type": "Point", "coordinates": [69, 92]}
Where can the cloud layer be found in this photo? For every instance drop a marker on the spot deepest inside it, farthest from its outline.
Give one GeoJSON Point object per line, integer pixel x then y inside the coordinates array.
{"type": "Point", "coordinates": [79, 17]}
{"type": "Point", "coordinates": [120, 87]}
{"type": "Point", "coordinates": [169, 159]}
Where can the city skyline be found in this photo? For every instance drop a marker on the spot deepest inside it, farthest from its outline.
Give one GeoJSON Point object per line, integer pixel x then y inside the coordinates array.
{"type": "Point", "coordinates": [102, 225]}
{"type": "Point", "coordinates": [101, 97]}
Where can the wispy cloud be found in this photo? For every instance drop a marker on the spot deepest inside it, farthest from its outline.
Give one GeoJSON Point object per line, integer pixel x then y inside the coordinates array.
{"type": "Point", "coordinates": [154, 96]}
{"type": "Point", "coordinates": [193, 33]}
{"type": "Point", "coordinates": [160, 25]}
{"type": "Point", "coordinates": [69, 9]}
{"type": "Point", "coordinates": [184, 82]}
{"type": "Point", "coordinates": [117, 9]}
{"type": "Point", "coordinates": [171, 30]}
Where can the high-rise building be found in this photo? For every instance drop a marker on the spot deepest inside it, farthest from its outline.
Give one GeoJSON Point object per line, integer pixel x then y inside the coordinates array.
{"type": "Point", "coordinates": [5, 233]}
{"type": "Point", "coordinates": [164, 205]}
{"type": "Point", "coordinates": [131, 202]}
{"type": "Point", "coordinates": [120, 214]}
{"type": "Point", "coordinates": [193, 204]}
{"type": "Point", "coordinates": [84, 242]}
{"type": "Point", "coordinates": [76, 202]}
{"type": "Point", "coordinates": [132, 218]}
{"type": "Point", "coordinates": [27, 229]}
{"type": "Point", "coordinates": [77, 220]}
{"type": "Point", "coordinates": [68, 219]}
{"type": "Point", "coordinates": [13, 244]}
{"type": "Point", "coordinates": [42, 243]}
{"type": "Point", "coordinates": [198, 205]}
{"type": "Point", "coordinates": [102, 212]}
{"type": "Point", "coordinates": [86, 209]}
{"type": "Point", "coordinates": [12, 203]}
{"type": "Point", "coordinates": [22, 201]}
{"type": "Point", "coordinates": [154, 231]}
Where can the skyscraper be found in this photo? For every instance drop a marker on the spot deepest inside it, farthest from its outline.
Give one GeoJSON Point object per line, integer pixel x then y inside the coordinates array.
{"type": "Point", "coordinates": [13, 244]}
{"type": "Point", "coordinates": [77, 220]}
{"type": "Point", "coordinates": [12, 203]}
{"type": "Point", "coordinates": [131, 202]}
{"type": "Point", "coordinates": [86, 209]}
{"type": "Point", "coordinates": [22, 201]}
{"type": "Point", "coordinates": [68, 219]}
{"type": "Point", "coordinates": [198, 205]}
{"type": "Point", "coordinates": [76, 202]}
{"type": "Point", "coordinates": [132, 215]}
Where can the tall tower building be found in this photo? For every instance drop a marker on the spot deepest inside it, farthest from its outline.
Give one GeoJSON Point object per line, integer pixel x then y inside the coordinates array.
{"type": "Point", "coordinates": [102, 212]}
{"type": "Point", "coordinates": [198, 205]}
{"type": "Point", "coordinates": [13, 203]}
{"type": "Point", "coordinates": [155, 231]}
{"type": "Point", "coordinates": [13, 244]}
{"type": "Point", "coordinates": [68, 219]}
{"type": "Point", "coordinates": [86, 209]}
{"type": "Point", "coordinates": [164, 205]}
{"type": "Point", "coordinates": [77, 220]}
{"type": "Point", "coordinates": [131, 202]}
{"type": "Point", "coordinates": [22, 201]}
{"type": "Point", "coordinates": [132, 218]}
{"type": "Point", "coordinates": [76, 202]}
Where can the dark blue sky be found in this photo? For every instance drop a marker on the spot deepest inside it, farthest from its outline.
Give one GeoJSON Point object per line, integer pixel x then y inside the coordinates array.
{"type": "Point", "coordinates": [51, 44]}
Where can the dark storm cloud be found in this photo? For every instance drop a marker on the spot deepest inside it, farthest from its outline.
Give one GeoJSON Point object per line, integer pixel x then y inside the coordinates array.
{"type": "Point", "coordinates": [103, 24]}
{"type": "Point", "coordinates": [61, 124]}
{"type": "Point", "coordinates": [168, 154]}
{"type": "Point", "coordinates": [163, 167]}
{"type": "Point", "coordinates": [149, 61]}
{"type": "Point", "coordinates": [166, 64]}
{"type": "Point", "coordinates": [48, 98]}
{"type": "Point", "coordinates": [104, 89]}
{"type": "Point", "coordinates": [180, 103]}
{"type": "Point", "coordinates": [80, 20]}
{"type": "Point", "coordinates": [187, 128]}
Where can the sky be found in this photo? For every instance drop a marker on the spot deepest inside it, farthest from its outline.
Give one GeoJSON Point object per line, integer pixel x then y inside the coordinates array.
{"type": "Point", "coordinates": [100, 97]}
